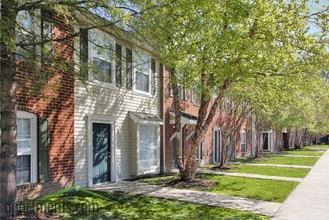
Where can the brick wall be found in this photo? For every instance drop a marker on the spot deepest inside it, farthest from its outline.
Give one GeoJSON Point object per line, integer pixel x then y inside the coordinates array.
{"type": "Point", "coordinates": [48, 92]}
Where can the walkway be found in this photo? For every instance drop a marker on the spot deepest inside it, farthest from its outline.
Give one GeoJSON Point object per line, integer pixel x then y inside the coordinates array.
{"type": "Point", "coordinates": [204, 198]}
{"type": "Point", "coordinates": [278, 165]}
{"type": "Point", "coordinates": [249, 175]}
{"type": "Point", "coordinates": [310, 200]}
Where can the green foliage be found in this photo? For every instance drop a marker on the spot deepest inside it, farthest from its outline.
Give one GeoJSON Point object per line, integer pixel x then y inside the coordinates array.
{"type": "Point", "coordinates": [130, 206]}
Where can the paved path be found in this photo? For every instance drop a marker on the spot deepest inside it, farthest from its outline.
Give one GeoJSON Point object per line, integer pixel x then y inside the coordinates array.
{"type": "Point", "coordinates": [249, 175]}
{"type": "Point", "coordinates": [278, 165]}
{"type": "Point", "coordinates": [310, 200]}
{"type": "Point", "coordinates": [204, 198]}
{"type": "Point", "coordinates": [295, 155]}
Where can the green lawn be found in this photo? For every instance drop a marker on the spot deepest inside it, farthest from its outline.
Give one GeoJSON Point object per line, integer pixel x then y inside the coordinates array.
{"type": "Point", "coordinates": [261, 189]}
{"type": "Point", "coordinates": [315, 147]}
{"type": "Point", "coordinates": [118, 205]}
{"type": "Point", "coordinates": [269, 171]}
{"type": "Point", "coordinates": [308, 161]}
{"type": "Point", "coordinates": [293, 152]}
{"type": "Point", "coordinates": [303, 153]}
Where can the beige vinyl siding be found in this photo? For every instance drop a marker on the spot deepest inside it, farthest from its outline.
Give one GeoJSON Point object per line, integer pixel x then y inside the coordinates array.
{"type": "Point", "coordinates": [114, 103]}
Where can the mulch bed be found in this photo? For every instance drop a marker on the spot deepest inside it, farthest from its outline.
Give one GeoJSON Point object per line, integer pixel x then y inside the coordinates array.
{"type": "Point", "coordinates": [194, 183]}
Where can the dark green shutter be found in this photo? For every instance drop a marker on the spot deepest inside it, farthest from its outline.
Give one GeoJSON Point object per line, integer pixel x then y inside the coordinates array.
{"type": "Point", "coordinates": [84, 53]}
{"type": "Point", "coordinates": [47, 47]}
{"type": "Point", "coordinates": [118, 64]}
{"type": "Point", "coordinates": [44, 145]}
{"type": "Point", "coordinates": [153, 88]}
{"type": "Point", "coordinates": [129, 68]}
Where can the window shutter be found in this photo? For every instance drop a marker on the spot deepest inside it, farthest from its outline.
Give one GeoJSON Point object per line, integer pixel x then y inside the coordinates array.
{"type": "Point", "coordinates": [47, 48]}
{"type": "Point", "coordinates": [44, 145]}
{"type": "Point", "coordinates": [118, 64]}
{"type": "Point", "coordinates": [84, 53]}
{"type": "Point", "coordinates": [153, 88]}
{"type": "Point", "coordinates": [129, 68]}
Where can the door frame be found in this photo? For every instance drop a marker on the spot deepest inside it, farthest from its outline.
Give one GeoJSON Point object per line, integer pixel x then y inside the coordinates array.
{"type": "Point", "coordinates": [220, 145]}
{"type": "Point", "coordinates": [101, 120]}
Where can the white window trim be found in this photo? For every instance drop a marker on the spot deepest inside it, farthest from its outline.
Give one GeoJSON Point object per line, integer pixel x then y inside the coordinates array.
{"type": "Point", "coordinates": [33, 118]}
{"type": "Point", "coordinates": [134, 69]}
{"type": "Point", "coordinates": [244, 132]}
{"type": "Point", "coordinates": [90, 57]}
{"type": "Point", "coordinates": [192, 99]}
{"type": "Point", "coordinates": [103, 120]}
{"type": "Point", "coordinates": [153, 169]}
{"type": "Point", "coordinates": [220, 144]}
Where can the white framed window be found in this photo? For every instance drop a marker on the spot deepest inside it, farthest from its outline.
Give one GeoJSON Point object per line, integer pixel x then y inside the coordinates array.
{"type": "Point", "coordinates": [148, 149]}
{"type": "Point", "coordinates": [227, 104]}
{"type": "Point", "coordinates": [182, 92]}
{"type": "Point", "coordinates": [102, 57]}
{"type": "Point", "coordinates": [200, 152]}
{"type": "Point", "coordinates": [243, 141]}
{"type": "Point", "coordinates": [26, 168]}
{"type": "Point", "coordinates": [196, 98]}
{"type": "Point", "coordinates": [28, 31]}
{"type": "Point", "coordinates": [142, 73]}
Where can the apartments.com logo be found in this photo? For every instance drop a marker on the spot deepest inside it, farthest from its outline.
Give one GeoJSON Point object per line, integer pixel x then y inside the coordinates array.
{"type": "Point", "coordinates": [47, 207]}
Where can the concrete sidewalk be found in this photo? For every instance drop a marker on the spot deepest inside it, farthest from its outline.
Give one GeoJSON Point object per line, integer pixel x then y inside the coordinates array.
{"type": "Point", "coordinates": [250, 175]}
{"type": "Point", "coordinates": [279, 165]}
{"type": "Point", "coordinates": [310, 200]}
{"type": "Point", "coordinates": [204, 198]}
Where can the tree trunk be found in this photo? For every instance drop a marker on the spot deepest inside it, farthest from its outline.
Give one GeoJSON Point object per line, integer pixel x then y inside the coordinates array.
{"type": "Point", "coordinates": [8, 147]}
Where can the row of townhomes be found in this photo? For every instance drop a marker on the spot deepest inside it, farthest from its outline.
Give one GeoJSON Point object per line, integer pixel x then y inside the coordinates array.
{"type": "Point", "coordinates": [114, 123]}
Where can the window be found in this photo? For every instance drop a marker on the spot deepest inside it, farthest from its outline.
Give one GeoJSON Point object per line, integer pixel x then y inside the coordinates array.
{"type": "Point", "coordinates": [214, 96]}
{"type": "Point", "coordinates": [227, 104]}
{"type": "Point", "coordinates": [182, 92]}
{"type": "Point", "coordinates": [26, 34]}
{"type": "Point", "coordinates": [142, 73]}
{"type": "Point", "coordinates": [196, 99]}
{"type": "Point", "coordinates": [26, 148]}
{"type": "Point", "coordinates": [102, 57]}
{"type": "Point", "coordinates": [148, 149]}
{"type": "Point", "coordinates": [243, 141]}
{"type": "Point", "coordinates": [200, 152]}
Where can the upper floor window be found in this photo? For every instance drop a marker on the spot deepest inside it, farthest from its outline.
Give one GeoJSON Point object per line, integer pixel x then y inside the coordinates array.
{"type": "Point", "coordinates": [34, 33]}
{"type": "Point", "coordinates": [102, 56]}
{"type": "Point", "coordinates": [196, 98]}
{"type": "Point", "coordinates": [142, 73]}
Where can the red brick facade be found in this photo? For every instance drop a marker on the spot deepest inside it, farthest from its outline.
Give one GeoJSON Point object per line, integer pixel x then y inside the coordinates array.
{"type": "Point", "coordinates": [51, 96]}
{"type": "Point", "coordinates": [191, 108]}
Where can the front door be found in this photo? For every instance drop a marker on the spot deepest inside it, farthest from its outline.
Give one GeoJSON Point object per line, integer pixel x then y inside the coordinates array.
{"type": "Point", "coordinates": [216, 143]}
{"type": "Point", "coordinates": [101, 152]}
{"type": "Point", "coordinates": [265, 141]}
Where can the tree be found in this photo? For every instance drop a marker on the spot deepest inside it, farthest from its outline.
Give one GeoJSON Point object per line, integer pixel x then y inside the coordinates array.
{"type": "Point", "coordinates": [228, 43]}
{"type": "Point", "coordinates": [20, 39]}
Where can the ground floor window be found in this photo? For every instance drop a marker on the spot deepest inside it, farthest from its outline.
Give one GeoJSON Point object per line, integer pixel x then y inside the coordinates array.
{"type": "Point", "coordinates": [243, 141]}
{"type": "Point", "coordinates": [26, 148]}
{"type": "Point", "coordinates": [148, 148]}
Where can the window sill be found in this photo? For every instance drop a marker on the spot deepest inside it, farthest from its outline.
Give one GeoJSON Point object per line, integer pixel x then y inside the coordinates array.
{"type": "Point", "coordinates": [146, 94]}
{"type": "Point", "coordinates": [103, 85]}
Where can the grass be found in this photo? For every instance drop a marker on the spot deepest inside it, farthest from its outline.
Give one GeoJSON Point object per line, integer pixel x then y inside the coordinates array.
{"type": "Point", "coordinates": [293, 152]}
{"type": "Point", "coordinates": [268, 171]}
{"type": "Point", "coordinates": [118, 205]}
{"type": "Point", "coordinates": [315, 147]}
{"type": "Point", "coordinates": [260, 189]}
{"type": "Point", "coordinates": [307, 161]}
